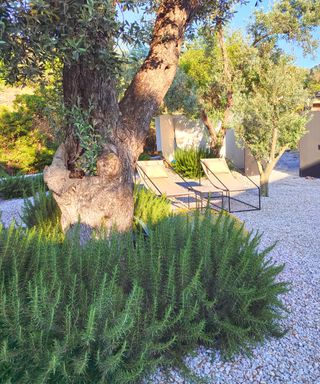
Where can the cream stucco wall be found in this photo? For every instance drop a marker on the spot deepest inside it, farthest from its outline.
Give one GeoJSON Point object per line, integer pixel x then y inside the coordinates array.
{"type": "Point", "coordinates": [176, 131]}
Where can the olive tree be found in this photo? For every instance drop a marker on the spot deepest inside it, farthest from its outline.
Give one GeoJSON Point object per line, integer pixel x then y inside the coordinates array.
{"type": "Point", "coordinates": [91, 176]}
{"type": "Point", "coordinates": [271, 117]}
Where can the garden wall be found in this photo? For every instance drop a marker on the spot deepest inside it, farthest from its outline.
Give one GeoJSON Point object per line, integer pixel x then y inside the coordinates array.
{"type": "Point", "coordinates": [176, 131]}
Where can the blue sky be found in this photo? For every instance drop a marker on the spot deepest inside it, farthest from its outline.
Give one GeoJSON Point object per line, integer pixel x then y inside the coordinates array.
{"type": "Point", "coordinates": [242, 19]}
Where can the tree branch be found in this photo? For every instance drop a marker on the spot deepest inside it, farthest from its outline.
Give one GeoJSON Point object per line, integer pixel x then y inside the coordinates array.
{"type": "Point", "coordinates": [260, 38]}
{"type": "Point", "coordinates": [272, 163]}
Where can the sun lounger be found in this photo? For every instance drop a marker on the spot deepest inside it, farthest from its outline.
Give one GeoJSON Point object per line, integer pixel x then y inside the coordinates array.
{"type": "Point", "coordinates": [220, 176]}
{"type": "Point", "coordinates": [155, 176]}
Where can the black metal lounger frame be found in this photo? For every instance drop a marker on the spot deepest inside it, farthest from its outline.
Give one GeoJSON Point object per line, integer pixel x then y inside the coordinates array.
{"type": "Point", "coordinates": [228, 191]}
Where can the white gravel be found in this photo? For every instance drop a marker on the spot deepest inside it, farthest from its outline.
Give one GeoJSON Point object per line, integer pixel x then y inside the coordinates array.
{"type": "Point", "coordinates": [10, 211]}
{"type": "Point", "coordinates": [290, 215]}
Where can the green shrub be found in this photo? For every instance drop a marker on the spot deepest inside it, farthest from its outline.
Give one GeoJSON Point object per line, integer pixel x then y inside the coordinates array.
{"type": "Point", "coordinates": [12, 187]}
{"type": "Point", "coordinates": [187, 162]}
{"type": "Point", "coordinates": [42, 211]}
{"type": "Point", "coordinates": [112, 311]}
{"type": "Point", "coordinates": [26, 154]}
{"type": "Point", "coordinates": [35, 104]}
{"type": "Point", "coordinates": [26, 141]}
{"type": "Point", "coordinates": [148, 207]}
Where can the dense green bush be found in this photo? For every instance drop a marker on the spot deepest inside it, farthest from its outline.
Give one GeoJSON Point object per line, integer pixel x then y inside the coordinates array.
{"type": "Point", "coordinates": [12, 187]}
{"type": "Point", "coordinates": [42, 211]}
{"type": "Point", "coordinates": [112, 311]}
{"type": "Point", "coordinates": [187, 162]}
{"type": "Point", "coordinates": [148, 207]}
{"type": "Point", "coordinates": [26, 141]}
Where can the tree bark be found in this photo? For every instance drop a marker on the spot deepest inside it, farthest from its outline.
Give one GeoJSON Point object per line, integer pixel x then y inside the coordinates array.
{"type": "Point", "coordinates": [264, 184]}
{"type": "Point", "coordinates": [266, 170]}
{"type": "Point", "coordinates": [212, 133]}
{"type": "Point", "coordinates": [106, 200]}
{"type": "Point", "coordinates": [146, 92]}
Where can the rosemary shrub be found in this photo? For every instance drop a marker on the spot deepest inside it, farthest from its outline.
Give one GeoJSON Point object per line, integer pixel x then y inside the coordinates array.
{"type": "Point", "coordinates": [113, 311]}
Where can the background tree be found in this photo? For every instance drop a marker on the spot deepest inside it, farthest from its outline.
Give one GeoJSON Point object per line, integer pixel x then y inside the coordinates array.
{"type": "Point", "coordinates": [292, 20]}
{"type": "Point", "coordinates": [110, 133]}
{"type": "Point", "coordinates": [271, 117]}
{"type": "Point", "coordinates": [313, 80]}
{"type": "Point", "coordinates": [203, 91]}
{"type": "Point", "coordinates": [213, 66]}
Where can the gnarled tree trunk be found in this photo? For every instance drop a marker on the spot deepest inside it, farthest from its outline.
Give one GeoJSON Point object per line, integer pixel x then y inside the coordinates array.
{"type": "Point", "coordinates": [106, 200]}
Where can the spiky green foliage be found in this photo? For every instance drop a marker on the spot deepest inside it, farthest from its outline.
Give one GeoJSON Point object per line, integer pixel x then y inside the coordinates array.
{"type": "Point", "coordinates": [148, 207]}
{"type": "Point", "coordinates": [187, 161]}
{"type": "Point", "coordinates": [114, 310]}
{"type": "Point", "coordinates": [12, 187]}
{"type": "Point", "coordinates": [41, 211]}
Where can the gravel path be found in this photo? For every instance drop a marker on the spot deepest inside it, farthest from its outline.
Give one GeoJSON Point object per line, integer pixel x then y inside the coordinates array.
{"type": "Point", "coordinates": [10, 211]}
{"type": "Point", "coordinates": [290, 215]}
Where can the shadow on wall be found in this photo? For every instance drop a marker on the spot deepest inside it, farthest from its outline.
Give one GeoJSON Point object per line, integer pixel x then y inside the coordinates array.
{"type": "Point", "coordinates": [190, 133]}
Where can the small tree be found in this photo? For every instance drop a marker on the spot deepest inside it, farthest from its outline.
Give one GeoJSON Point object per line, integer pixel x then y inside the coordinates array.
{"type": "Point", "coordinates": [272, 117]}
